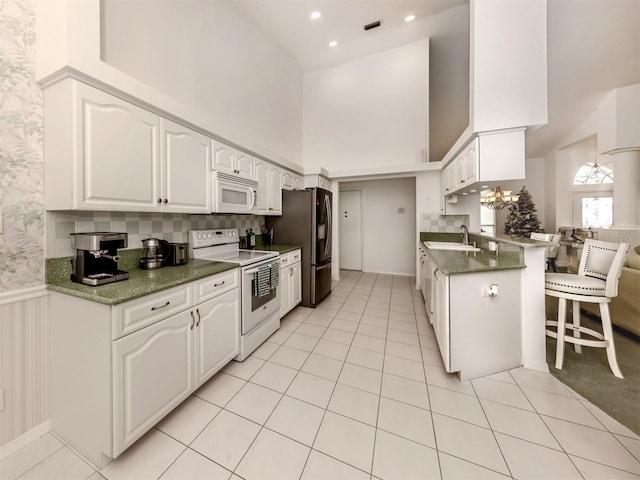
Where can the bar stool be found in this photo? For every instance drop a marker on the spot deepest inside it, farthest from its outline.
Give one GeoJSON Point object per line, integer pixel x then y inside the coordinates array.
{"type": "Point", "coordinates": [596, 282]}
{"type": "Point", "coordinates": [550, 252]}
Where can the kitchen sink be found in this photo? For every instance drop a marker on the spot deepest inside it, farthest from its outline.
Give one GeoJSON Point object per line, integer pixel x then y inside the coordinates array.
{"type": "Point", "coordinates": [457, 247]}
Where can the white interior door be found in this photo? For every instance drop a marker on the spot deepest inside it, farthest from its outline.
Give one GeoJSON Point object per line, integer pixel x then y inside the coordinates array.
{"type": "Point", "coordinates": [350, 228]}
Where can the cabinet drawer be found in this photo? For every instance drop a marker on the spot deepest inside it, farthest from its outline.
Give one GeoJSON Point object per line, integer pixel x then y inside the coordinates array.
{"type": "Point", "coordinates": [215, 285]}
{"type": "Point", "coordinates": [136, 314]}
{"type": "Point", "coordinates": [295, 256]}
{"type": "Point", "coordinates": [287, 259]}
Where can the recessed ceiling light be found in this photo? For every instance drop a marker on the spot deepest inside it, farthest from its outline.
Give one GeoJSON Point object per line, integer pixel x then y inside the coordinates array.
{"type": "Point", "coordinates": [410, 18]}
{"type": "Point", "coordinates": [315, 15]}
{"type": "Point", "coordinates": [473, 190]}
{"type": "Point", "coordinates": [333, 44]}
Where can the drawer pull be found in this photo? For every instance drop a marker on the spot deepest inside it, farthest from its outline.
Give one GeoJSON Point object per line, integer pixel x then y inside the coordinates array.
{"type": "Point", "coordinates": [219, 284]}
{"type": "Point", "coordinates": [193, 320]}
{"type": "Point", "coordinates": [198, 322]}
{"type": "Point", "coordinates": [153, 309]}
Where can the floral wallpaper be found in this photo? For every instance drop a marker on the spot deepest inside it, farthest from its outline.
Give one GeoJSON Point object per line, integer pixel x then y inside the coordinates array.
{"type": "Point", "coordinates": [21, 157]}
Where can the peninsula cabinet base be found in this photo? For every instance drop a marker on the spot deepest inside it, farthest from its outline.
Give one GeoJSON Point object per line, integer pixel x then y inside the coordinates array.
{"type": "Point", "coordinates": [479, 333]}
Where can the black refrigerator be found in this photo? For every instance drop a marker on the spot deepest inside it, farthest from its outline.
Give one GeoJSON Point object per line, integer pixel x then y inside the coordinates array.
{"type": "Point", "coordinates": [306, 221]}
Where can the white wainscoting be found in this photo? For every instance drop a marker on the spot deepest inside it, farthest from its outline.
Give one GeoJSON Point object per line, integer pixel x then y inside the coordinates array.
{"type": "Point", "coordinates": [24, 361]}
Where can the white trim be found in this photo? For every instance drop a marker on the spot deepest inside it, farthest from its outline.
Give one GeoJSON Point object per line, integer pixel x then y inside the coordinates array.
{"type": "Point", "coordinates": [22, 294]}
{"type": "Point", "coordinates": [25, 439]}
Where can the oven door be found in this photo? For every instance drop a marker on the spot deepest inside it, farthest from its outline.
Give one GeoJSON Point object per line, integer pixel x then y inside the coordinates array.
{"type": "Point", "coordinates": [233, 197]}
{"type": "Point", "coordinates": [256, 309]}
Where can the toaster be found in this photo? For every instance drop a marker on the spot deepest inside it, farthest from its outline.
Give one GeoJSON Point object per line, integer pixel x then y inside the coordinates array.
{"type": "Point", "coordinates": [177, 255]}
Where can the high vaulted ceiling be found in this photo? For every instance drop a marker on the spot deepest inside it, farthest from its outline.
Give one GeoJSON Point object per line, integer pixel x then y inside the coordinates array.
{"type": "Point", "coordinates": [593, 48]}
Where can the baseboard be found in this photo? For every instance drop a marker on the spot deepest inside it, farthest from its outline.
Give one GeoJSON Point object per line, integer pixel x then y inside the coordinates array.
{"type": "Point", "coordinates": [25, 439]}
{"type": "Point", "coordinates": [539, 366]}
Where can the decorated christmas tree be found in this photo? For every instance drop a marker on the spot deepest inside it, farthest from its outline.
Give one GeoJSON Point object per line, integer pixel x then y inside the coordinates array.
{"type": "Point", "coordinates": [522, 219]}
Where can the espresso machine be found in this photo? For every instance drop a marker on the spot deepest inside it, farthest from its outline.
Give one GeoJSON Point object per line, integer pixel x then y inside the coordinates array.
{"type": "Point", "coordinates": [97, 258]}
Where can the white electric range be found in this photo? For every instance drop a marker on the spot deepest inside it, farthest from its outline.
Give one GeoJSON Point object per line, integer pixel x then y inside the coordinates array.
{"type": "Point", "coordinates": [260, 307]}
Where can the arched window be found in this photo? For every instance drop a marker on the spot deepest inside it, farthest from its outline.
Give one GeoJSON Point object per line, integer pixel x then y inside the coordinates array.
{"type": "Point", "coordinates": [593, 199]}
{"type": "Point", "coordinates": [593, 174]}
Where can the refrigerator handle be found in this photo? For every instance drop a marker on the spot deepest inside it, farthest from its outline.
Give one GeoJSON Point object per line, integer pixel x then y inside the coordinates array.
{"type": "Point", "coordinates": [327, 246]}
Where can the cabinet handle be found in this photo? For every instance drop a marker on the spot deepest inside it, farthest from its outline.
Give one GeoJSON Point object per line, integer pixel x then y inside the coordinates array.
{"type": "Point", "coordinates": [193, 320]}
{"type": "Point", "coordinates": [166, 200]}
{"type": "Point", "coordinates": [219, 284]}
{"type": "Point", "coordinates": [198, 322]}
{"type": "Point", "coordinates": [153, 309]}
{"type": "Point", "coordinates": [159, 200]}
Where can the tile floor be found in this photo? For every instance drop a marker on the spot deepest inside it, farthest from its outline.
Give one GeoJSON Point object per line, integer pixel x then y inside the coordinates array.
{"type": "Point", "coordinates": [355, 389]}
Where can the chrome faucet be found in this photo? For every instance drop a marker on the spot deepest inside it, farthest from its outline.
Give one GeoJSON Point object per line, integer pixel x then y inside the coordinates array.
{"type": "Point", "coordinates": [464, 234]}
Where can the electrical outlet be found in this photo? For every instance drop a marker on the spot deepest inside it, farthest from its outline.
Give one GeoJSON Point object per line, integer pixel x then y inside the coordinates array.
{"type": "Point", "coordinates": [1, 399]}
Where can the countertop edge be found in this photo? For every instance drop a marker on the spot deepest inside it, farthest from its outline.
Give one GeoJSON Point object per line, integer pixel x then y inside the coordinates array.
{"type": "Point", "coordinates": [89, 293]}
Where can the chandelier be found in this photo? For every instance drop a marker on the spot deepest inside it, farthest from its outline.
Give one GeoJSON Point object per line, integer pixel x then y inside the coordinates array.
{"type": "Point", "coordinates": [497, 199]}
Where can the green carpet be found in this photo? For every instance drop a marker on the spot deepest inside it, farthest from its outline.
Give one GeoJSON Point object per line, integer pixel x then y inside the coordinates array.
{"type": "Point", "coordinates": [589, 374]}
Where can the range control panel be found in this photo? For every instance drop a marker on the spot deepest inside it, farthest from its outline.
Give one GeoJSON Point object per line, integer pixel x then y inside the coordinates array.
{"type": "Point", "coordinates": [207, 238]}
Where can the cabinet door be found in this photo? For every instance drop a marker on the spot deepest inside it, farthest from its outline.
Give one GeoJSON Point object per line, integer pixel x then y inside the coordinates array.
{"type": "Point", "coordinates": [153, 373]}
{"type": "Point", "coordinates": [287, 180]}
{"type": "Point", "coordinates": [275, 190]}
{"type": "Point", "coordinates": [223, 157]}
{"type": "Point", "coordinates": [217, 334]}
{"type": "Point", "coordinates": [298, 182]}
{"type": "Point", "coordinates": [441, 318]}
{"type": "Point", "coordinates": [245, 165]}
{"type": "Point", "coordinates": [471, 163]}
{"type": "Point", "coordinates": [263, 178]}
{"type": "Point", "coordinates": [296, 284]}
{"type": "Point", "coordinates": [118, 148]}
{"type": "Point", "coordinates": [186, 173]}
{"type": "Point", "coordinates": [285, 290]}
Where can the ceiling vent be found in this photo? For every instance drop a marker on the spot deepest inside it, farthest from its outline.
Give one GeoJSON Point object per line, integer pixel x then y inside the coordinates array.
{"type": "Point", "coordinates": [372, 25]}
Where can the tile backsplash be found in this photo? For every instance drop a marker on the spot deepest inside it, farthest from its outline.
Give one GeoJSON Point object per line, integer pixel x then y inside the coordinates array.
{"type": "Point", "coordinates": [434, 222]}
{"type": "Point", "coordinates": [173, 227]}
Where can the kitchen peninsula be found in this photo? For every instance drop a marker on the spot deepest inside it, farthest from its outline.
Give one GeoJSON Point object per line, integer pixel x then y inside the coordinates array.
{"type": "Point", "coordinates": [487, 305]}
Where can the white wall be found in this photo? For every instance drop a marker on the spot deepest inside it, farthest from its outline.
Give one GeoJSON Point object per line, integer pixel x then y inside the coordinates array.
{"type": "Point", "coordinates": [369, 112]}
{"type": "Point", "coordinates": [389, 237]}
{"type": "Point", "coordinates": [214, 60]}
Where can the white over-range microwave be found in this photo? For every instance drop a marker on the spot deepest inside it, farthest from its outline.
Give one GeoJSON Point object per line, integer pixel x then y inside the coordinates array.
{"type": "Point", "coordinates": [232, 194]}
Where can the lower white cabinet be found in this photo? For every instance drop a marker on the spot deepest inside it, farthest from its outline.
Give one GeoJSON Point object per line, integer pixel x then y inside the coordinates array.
{"type": "Point", "coordinates": [153, 373]}
{"type": "Point", "coordinates": [107, 390]}
{"type": "Point", "coordinates": [217, 339]}
{"type": "Point", "coordinates": [478, 334]}
{"type": "Point", "coordinates": [290, 281]}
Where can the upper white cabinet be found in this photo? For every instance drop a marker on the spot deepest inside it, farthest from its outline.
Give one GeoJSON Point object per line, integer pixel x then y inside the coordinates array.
{"type": "Point", "coordinates": [103, 153]}
{"type": "Point", "coordinates": [269, 178]}
{"type": "Point", "coordinates": [292, 181]}
{"type": "Point", "coordinates": [490, 158]}
{"type": "Point", "coordinates": [229, 160]}
{"type": "Point", "coordinates": [186, 182]}
{"type": "Point", "coordinates": [317, 181]}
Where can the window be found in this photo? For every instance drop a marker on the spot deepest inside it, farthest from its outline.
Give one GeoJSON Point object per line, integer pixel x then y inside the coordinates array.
{"type": "Point", "coordinates": [593, 174]}
{"type": "Point", "coordinates": [593, 197]}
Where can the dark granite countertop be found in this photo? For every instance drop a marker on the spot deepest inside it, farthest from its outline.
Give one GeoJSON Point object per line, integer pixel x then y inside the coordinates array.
{"type": "Point", "coordinates": [510, 254]}
{"type": "Point", "coordinates": [140, 282]}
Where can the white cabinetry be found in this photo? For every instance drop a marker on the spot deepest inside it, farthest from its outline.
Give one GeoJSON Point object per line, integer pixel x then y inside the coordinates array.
{"type": "Point", "coordinates": [117, 370]}
{"type": "Point", "coordinates": [489, 159]}
{"type": "Point", "coordinates": [103, 153]}
{"type": "Point", "coordinates": [270, 178]}
{"type": "Point", "coordinates": [317, 181]}
{"type": "Point", "coordinates": [478, 334]}
{"type": "Point", "coordinates": [185, 177]}
{"type": "Point", "coordinates": [291, 181]}
{"type": "Point", "coordinates": [152, 375]}
{"type": "Point", "coordinates": [290, 281]}
{"type": "Point", "coordinates": [229, 160]}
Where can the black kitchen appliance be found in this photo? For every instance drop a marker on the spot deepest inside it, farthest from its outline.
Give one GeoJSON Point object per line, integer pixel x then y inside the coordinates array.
{"type": "Point", "coordinates": [306, 221]}
{"type": "Point", "coordinates": [177, 254]}
{"type": "Point", "coordinates": [97, 258]}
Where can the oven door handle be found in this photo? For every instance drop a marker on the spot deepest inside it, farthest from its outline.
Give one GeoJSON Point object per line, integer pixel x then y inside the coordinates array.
{"type": "Point", "coordinates": [251, 272]}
